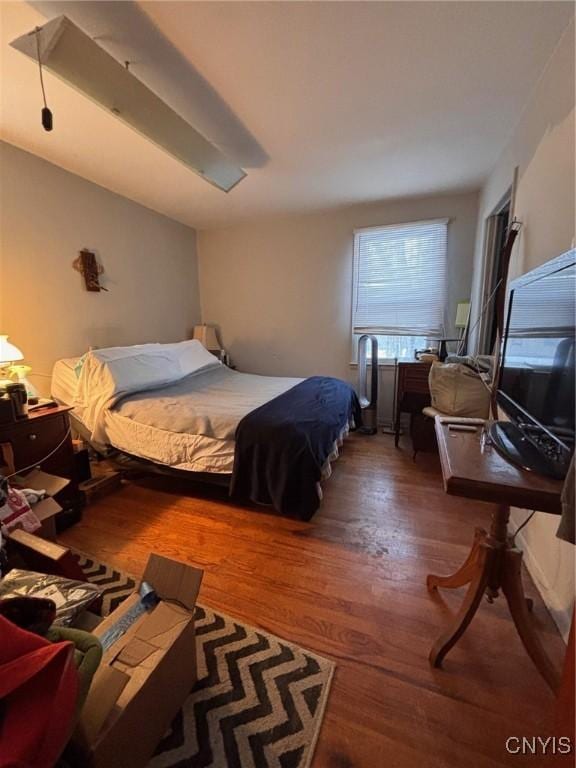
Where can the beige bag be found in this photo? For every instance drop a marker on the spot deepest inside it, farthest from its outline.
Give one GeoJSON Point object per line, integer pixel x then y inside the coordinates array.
{"type": "Point", "coordinates": [458, 391]}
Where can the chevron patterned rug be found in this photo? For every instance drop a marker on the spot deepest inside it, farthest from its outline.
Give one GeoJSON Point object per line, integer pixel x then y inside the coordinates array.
{"type": "Point", "coordinates": [259, 701]}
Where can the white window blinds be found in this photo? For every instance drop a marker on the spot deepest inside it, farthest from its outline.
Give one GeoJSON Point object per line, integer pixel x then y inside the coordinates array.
{"type": "Point", "coordinates": [544, 308]}
{"type": "Point", "coordinates": [400, 279]}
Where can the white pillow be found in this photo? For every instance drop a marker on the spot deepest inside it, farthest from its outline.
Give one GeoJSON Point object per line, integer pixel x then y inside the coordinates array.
{"type": "Point", "coordinates": [109, 374]}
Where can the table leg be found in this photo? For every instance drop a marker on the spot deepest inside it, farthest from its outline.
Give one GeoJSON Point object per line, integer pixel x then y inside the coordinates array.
{"type": "Point", "coordinates": [397, 428]}
{"type": "Point", "coordinates": [498, 538]}
{"type": "Point", "coordinates": [486, 561]}
{"type": "Point", "coordinates": [467, 570]}
{"type": "Point", "coordinates": [514, 593]}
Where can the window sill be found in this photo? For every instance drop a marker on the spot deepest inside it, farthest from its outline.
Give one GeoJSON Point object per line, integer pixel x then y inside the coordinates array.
{"type": "Point", "coordinates": [387, 363]}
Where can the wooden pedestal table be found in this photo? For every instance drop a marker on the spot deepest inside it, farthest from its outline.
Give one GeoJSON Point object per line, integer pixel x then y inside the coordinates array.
{"type": "Point", "coordinates": [494, 564]}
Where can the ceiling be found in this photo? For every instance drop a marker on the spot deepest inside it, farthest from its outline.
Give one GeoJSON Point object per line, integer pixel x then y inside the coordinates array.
{"type": "Point", "coordinates": [323, 103]}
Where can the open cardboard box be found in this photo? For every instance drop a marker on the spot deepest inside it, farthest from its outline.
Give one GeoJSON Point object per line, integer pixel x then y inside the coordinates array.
{"type": "Point", "coordinates": [46, 509]}
{"type": "Point", "coordinates": [145, 676]}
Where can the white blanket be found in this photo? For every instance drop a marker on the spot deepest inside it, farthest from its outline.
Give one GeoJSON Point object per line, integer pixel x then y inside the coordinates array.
{"type": "Point", "coordinates": [110, 374]}
{"type": "Point", "coordinates": [191, 424]}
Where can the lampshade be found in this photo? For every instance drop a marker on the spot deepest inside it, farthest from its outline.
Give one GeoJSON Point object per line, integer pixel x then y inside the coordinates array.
{"type": "Point", "coordinates": [462, 314]}
{"type": "Point", "coordinates": [206, 335]}
{"type": "Point", "coordinates": [8, 352]}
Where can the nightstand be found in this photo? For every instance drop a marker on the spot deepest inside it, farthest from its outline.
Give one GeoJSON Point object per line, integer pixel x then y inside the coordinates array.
{"type": "Point", "coordinates": [32, 439]}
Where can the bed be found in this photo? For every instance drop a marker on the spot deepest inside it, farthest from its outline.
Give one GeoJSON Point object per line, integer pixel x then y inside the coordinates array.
{"type": "Point", "coordinates": [176, 405]}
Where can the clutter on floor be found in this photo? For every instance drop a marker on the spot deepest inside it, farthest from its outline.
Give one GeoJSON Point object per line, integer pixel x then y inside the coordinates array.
{"type": "Point", "coordinates": [141, 657]}
{"type": "Point", "coordinates": [233, 705]}
{"type": "Point", "coordinates": [96, 476]}
{"type": "Point", "coordinates": [139, 664]}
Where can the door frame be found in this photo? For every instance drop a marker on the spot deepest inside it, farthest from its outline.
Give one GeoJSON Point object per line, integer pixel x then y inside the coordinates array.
{"type": "Point", "coordinates": [490, 260]}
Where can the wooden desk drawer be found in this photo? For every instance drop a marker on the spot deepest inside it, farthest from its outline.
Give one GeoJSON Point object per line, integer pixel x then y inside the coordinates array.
{"type": "Point", "coordinates": [415, 379]}
{"type": "Point", "coordinates": [412, 402]}
{"type": "Point", "coordinates": [412, 391]}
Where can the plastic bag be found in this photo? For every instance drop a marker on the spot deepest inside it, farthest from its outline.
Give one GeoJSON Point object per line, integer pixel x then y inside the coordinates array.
{"type": "Point", "coordinates": [456, 390]}
{"type": "Point", "coordinates": [17, 513]}
{"type": "Point", "coordinates": [71, 597]}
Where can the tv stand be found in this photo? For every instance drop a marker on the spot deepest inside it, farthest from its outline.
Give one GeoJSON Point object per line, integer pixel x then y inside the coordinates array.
{"type": "Point", "coordinates": [510, 441]}
{"type": "Point", "coordinates": [473, 470]}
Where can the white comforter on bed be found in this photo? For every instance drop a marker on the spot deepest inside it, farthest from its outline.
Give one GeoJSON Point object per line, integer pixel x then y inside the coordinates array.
{"type": "Point", "coordinates": [171, 404]}
{"type": "Point", "coordinates": [109, 374]}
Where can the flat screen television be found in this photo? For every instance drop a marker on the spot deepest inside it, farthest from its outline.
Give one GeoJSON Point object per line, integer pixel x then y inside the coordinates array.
{"type": "Point", "coordinates": [536, 383]}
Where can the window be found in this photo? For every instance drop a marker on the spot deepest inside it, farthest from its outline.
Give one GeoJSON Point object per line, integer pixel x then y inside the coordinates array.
{"type": "Point", "coordinates": [400, 285]}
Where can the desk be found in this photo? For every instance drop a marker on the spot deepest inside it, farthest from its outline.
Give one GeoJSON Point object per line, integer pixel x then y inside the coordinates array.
{"type": "Point", "coordinates": [494, 563]}
{"type": "Point", "coordinates": [412, 391]}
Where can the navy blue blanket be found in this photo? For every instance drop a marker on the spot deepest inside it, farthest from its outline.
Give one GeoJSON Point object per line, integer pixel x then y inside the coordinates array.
{"type": "Point", "coordinates": [282, 446]}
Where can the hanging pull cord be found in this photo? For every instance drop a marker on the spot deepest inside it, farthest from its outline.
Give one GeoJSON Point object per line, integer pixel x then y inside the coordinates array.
{"type": "Point", "coordinates": [47, 121]}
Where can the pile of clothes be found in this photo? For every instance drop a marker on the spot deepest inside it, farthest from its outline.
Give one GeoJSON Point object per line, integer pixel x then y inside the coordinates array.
{"type": "Point", "coordinates": [46, 667]}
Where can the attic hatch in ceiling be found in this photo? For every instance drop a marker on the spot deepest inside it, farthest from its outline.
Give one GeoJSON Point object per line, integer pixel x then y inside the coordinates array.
{"type": "Point", "coordinates": [69, 53]}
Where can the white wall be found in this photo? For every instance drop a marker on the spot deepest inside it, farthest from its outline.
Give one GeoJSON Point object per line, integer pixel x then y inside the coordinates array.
{"type": "Point", "coordinates": [47, 216]}
{"type": "Point", "coordinates": [281, 289]}
{"type": "Point", "coordinates": [542, 148]}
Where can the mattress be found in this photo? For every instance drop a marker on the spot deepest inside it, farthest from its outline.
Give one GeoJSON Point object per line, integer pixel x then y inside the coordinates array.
{"type": "Point", "coordinates": [64, 380]}
{"type": "Point", "coordinates": [187, 425]}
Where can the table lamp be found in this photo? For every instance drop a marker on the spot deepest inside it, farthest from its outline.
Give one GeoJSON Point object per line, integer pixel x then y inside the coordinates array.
{"type": "Point", "coordinates": [206, 335]}
{"type": "Point", "coordinates": [462, 314]}
{"type": "Point", "coordinates": [461, 324]}
{"type": "Point", "coordinates": [8, 354]}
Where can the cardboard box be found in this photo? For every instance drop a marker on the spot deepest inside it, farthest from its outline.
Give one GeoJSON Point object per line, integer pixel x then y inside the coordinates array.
{"type": "Point", "coordinates": [145, 676]}
{"type": "Point", "coordinates": [33, 553]}
{"type": "Point", "coordinates": [46, 509]}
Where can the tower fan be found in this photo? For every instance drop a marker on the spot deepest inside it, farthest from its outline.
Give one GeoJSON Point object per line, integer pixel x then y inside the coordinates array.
{"type": "Point", "coordinates": [368, 395]}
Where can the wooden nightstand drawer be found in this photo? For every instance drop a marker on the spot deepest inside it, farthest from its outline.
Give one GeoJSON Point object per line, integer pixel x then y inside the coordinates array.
{"type": "Point", "coordinates": [34, 439]}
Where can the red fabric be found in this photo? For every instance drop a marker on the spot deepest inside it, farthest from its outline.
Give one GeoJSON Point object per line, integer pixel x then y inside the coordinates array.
{"type": "Point", "coordinates": [38, 692]}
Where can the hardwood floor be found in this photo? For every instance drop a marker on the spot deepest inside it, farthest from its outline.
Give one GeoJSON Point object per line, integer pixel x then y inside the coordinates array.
{"type": "Point", "coordinates": [351, 585]}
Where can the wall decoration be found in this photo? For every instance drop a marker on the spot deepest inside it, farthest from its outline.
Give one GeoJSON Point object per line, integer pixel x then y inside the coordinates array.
{"type": "Point", "coordinates": [90, 269]}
